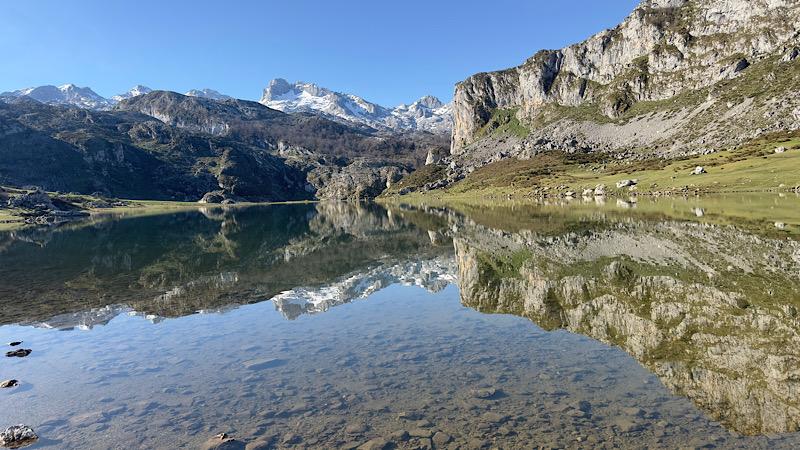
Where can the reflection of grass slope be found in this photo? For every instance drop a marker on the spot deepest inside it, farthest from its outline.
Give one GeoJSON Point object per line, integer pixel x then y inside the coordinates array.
{"type": "Point", "coordinates": [748, 211]}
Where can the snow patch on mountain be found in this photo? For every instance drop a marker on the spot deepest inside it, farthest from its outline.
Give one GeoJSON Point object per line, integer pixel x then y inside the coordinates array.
{"type": "Point", "coordinates": [208, 93]}
{"type": "Point", "coordinates": [133, 92]}
{"type": "Point", "coordinates": [426, 114]}
{"type": "Point", "coordinates": [66, 94]}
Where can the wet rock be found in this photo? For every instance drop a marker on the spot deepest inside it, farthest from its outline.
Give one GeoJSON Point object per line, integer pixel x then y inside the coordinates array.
{"type": "Point", "coordinates": [485, 394]}
{"type": "Point", "coordinates": [377, 444]}
{"type": "Point", "coordinates": [400, 436]}
{"type": "Point", "coordinates": [21, 353]}
{"type": "Point", "coordinates": [266, 363]}
{"type": "Point", "coordinates": [441, 438]}
{"type": "Point", "coordinates": [405, 415]}
{"type": "Point", "coordinates": [291, 438]}
{"type": "Point", "coordinates": [493, 417]}
{"type": "Point", "coordinates": [260, 444]}
{"type": "Point", "coordinates": [355, 428]}
{"type": "Point", "coordinates": [420, 433]}
{"type": "Point", "coordinates": [8, 384]}
{"type": "Point", "coordinates": [15, 343]}
{"type": "Point", "coordinates": [222, 442]}
{"type": "Point", "coordinates": [17, 436]}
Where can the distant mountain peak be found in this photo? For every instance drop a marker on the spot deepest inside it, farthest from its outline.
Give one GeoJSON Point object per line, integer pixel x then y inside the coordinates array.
{"type": "Point", "coordinates": [426, 114]}
{"type": "Point", "coordinates": [133, 92]}
{"type": "Point", "coordinates": [65, 94]}
{"type": "Point", "coordinates": [208, 93]}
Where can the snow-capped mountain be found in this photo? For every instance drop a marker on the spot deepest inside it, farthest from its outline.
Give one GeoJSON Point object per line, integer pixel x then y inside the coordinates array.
{"type": "Point", "coordinates": [134, 92]}
{"type": "Point", "coordinates": [426, 114]}
{"type": "Point", "coordinates": [66, 94]}
{"type": "Point", "coordinates": [208, 93]}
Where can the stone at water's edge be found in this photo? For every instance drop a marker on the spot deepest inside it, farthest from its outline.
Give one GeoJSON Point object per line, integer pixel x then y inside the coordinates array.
{"type": "Point", "coordinates": [17, 436]}
{"type": "Point", "coordinates": [8, 384]}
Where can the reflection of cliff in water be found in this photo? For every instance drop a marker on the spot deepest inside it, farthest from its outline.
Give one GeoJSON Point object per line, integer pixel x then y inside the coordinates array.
{"type": "Point", "coordinates": [173, 265]}
{"type": "Point", "coordinates": [711, 310]}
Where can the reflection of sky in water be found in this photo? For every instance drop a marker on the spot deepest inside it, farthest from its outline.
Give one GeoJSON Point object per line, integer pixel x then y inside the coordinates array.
{"type": "Point", "coordinates": [133, 383]}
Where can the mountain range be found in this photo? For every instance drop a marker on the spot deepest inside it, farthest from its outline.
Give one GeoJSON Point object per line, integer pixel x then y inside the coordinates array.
{"type": "Point", "coordinates": [425, 114]}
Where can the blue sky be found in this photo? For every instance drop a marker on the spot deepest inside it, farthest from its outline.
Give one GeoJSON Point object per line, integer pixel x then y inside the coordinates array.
{"type": "Point", "coordinates": [386, 51]}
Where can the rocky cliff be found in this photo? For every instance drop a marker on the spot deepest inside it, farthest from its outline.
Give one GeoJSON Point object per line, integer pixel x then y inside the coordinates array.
{"type": "Point", "coordinates": [674, 77]}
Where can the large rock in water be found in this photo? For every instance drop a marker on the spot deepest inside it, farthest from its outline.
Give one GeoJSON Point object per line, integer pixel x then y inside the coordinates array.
{"type": "Point", "coordinates": [17, 436]}
{"type": "Point", "coordinates": [693, 53]}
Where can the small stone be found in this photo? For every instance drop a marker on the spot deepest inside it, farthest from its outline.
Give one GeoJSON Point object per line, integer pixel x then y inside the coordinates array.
{"type": "Point", "coordinates": [484, 394]}
{"type": "Point", "coordinates": [420, 433]}
{"type": "Point", "coordinates": [15, 343]}
{"type": "Point", "coordinates": [17, 436]}
{"type": "Point", "coordinates": [401, 436]}
{"type": "Point", "coordinates": [780, 150]}
{"type": "Point", "coordinates": [626, 183]}
{"type": "Point", "coordinates": [21, 353]}
{"type": "Point", "coordinates": [699, 170]}
{"type": "Point", "coordinates": [493, 417]}
{"type": "Point", "coordinates": [355, 428]}
{"type": "Point", "coordinates": [8, 384]}
{"type": "Point", "coordinates": [405, 415]}
{"type": "Point", "coordinates": [376, 444]}
{"type": "Point", "coordinates": [441, 438]}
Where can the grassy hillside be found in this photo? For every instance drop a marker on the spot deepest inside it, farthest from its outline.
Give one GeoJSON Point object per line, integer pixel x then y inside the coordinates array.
{"type": "Point", "coordinates": [754, 167]}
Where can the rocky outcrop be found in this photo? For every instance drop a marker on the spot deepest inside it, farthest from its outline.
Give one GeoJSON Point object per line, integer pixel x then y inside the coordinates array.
{"type": "Point", "coordinates": [667, 79]}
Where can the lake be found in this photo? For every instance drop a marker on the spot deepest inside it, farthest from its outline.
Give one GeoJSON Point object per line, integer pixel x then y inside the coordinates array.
{"type": "Point", "coordinates": [649, 323]}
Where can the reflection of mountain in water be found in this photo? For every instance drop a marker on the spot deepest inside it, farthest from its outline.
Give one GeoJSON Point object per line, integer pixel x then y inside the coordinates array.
{"type": "Point", "coordinates": [433, 275]}
{"type": "Point", "coordinates": [711, 310]}
{"type": "Point", "coordinates": [173, 265]}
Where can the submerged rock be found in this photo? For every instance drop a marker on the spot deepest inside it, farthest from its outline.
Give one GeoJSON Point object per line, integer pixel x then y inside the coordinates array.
{"type": "Point", "coordinates": [17, 436]}
{"type": "Point", "coordinates": [223, 442]}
